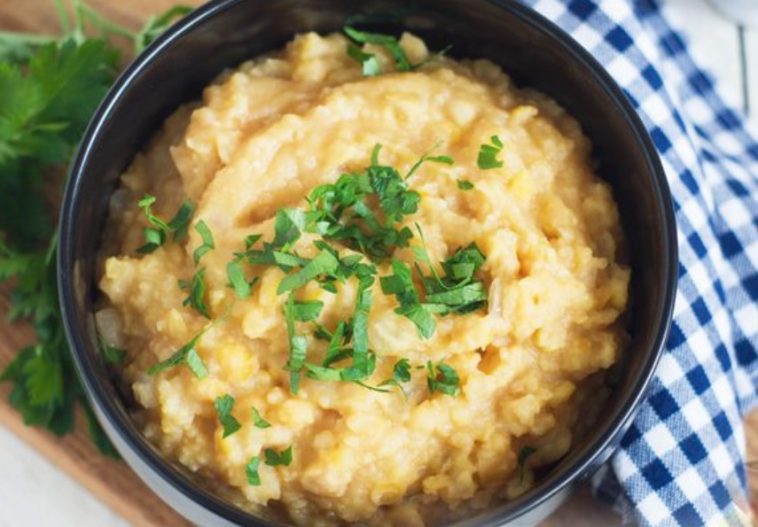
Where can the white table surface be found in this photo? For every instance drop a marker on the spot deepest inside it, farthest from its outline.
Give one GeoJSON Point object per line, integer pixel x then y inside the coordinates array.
{"type": "Point", "coordinates": [35, 493]}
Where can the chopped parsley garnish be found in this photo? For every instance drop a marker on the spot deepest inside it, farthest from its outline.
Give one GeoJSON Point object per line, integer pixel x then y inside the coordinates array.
{"type": "Point", "coordinates": [465, 184]}
{"type": "Point", "coordinates": [207, 237]}
{"type": "Point", "coordinates": [224, 406]}
{"type": "Point", "coordinates": [324, 263]}
{"type": "Point", "coordinates": [363, 360]}
{"type": "Point", "coordinates": [362, 366]}
{"type": "Point", "coordinates": [340, 211]}
{"type": "Point", "coordinates": [157, 234]}
{"type": "Point", "coordinates": [307, 311]}
{"type": "Point", "coordinates": [445, 160]}
{"type": "Point", "coordinates": [369, 64]}
{"type": "Point", "coordinates": [442, 378]}
{"type": "Point", "coordinates": [113, 355]}
{"type": "Point", "coordinates": [488, 154]}
{"type": "Point", "coordinates": [251, 471]}
{"type": "Point", "coordinates": [188, 355]}
{"type": "Point", "coordinates": [523, 455]}
{"type": "Point", "coordinates": [243, 287]}
{"type": "Point", "coordinates": [196, 292]}
{"type": "Point", "coordinates": [251, 240]}
{"type": "Point", "coordinates": [298, 345]}
{"type": "Point", "coordinates": [388, 42]}
{"type": "Point", "coordinates": [288, 225]}
{"type": "Point", "coordinates": [400, 284]}
{"type": "Point", "coordinates": [401, 373]}
{"type": "Point", "coordinates": [274, 458]}
{"type": "Point", "coordinates": [457, 291]}
{"type": "Point", "coordinates": [258, 420]}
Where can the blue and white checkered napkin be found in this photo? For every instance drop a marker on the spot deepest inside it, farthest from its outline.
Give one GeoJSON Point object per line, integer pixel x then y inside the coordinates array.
{"type": "Point", "coordinates": [683, 460]}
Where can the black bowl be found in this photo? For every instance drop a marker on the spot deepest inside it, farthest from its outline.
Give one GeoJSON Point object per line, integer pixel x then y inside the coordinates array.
{"type": "Point", "coordinates": [531, 49]}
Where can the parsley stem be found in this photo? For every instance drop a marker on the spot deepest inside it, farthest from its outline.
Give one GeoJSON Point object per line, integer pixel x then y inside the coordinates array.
{"type": "Point", "coordinates": [34, 39]}
{"type": "Point", "coordinates": [63, 18]}
{"type": "Point", "coordinates": [104, 25]}
{"type": "Point", "coordinates": [78, 31]}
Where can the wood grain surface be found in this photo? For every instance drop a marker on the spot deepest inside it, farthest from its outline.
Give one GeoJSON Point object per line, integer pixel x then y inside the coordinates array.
{"type": "Point", "coordinates": [111, 481]}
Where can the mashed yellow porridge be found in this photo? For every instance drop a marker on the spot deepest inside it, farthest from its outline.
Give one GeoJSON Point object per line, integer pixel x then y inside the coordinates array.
{"type": "Point", "coordinates": [340, 340]}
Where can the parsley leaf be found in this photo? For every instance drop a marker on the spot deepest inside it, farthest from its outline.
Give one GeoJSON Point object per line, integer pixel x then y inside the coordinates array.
{"type": "Point", "coordinates": [324, 263]}
{"type": "Point", "coordinates": [157, 234]}
{"type": "Point", "coordinates": [465, 184]}
{"type": "Point", "coordinates": [361, 361]}
{"type": "Point", "coordinates": [288, 225]}
{"type": "Point", "coordinates": [401, 371]}
{"type": "Point", "coordinates": [207, 237]}
{"type": "Point", "coordinates": [113, 355]}
{"type": "Point", "coordinates": [400, 284]}
{"type": "Point", "coordinates": [442, 378]}
{"type": "Point", "coordinates": [298, 345]}
{"type": "Point", "coordinates": [181, 220]}
{"type": "Point", "coordinates": [369, 64]}
{"type": "Point", "coordinates": [251, 240]}
{"type": "Point", "coordinates": [341, 211]}
{"type": "Point", "coordinates": [523, 455]}
{"type": "Point", "coordinates": [306, 311]}
{"type": "Point", "coordinates": [196, 292]}
{"type": "Point", "coordinates": [50, 87]}
{"type": "Point", "coordinates": [458, 291]}
{"type": "Point", "coordinates": [188, 355]}
{"type": "Point", "coordinates": [445, 160]}
{"type": "Point", "coordinates": [195, 364]}
{"type": "Point", "coordinates": [488, 153]}
{"type": "Point", "coordinates": [156, 25]}
{"type": "Point", "coordinates": [258, 420]}
{"type": "Point", "coordinates": [237, 281]}
{"type": "Point", "coordinates": [388, 42]}
{"type": "Point", "coordinates": [251, 471]}
{"type": "Point", "coordinates": [224, 406]}
{"type": "Point", "coordinates": [45, 108]}
{"type": "Point", "coordinates": [274, 458]}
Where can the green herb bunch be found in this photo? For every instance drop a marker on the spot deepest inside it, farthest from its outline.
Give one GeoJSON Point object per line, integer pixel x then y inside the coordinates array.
{"type": "Point", "coordinates": [49, 87]}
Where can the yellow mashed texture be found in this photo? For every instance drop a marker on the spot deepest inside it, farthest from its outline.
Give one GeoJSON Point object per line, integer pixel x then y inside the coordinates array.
{"type": "Point", "coordinates": [261, 138]}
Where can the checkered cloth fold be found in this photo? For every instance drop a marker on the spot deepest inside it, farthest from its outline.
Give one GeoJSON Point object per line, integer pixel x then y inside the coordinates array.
{"type": "Point", "coordinates": [683, 460]}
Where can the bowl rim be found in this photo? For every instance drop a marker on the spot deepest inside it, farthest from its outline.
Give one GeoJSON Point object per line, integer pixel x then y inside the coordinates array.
{"type": "Point", "coordinates": [116, 423]}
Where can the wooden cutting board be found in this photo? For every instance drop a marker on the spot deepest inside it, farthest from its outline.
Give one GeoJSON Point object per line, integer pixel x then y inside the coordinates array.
{"type": "Point", "coordinates": [111, 481]}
